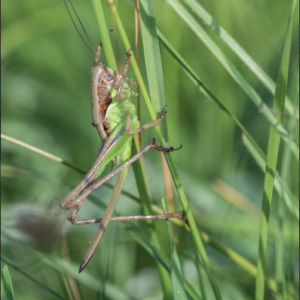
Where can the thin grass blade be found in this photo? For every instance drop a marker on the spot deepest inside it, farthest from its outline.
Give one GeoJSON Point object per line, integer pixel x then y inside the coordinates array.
{"type": "Point", "coordinates": [200, 276]}
{"type": "Point", "coordinates": [282, 215]}
{"type": "Point", "coordinates": [112, 291]}
{"type": "Point", "coordinates": [282, 189]}
{"type": "Point", "coordinates": [272, 155]}
{"type": "Point", "coordinates": [175, 267]}
{"type": "Point", "coordinates": [38, 283]}
{"type": "Point", "coordinates": [145, 201]}
{"type": "Point", "coordinates": [105, 39]}
{"type": "Point", "coordinates": [160, 256]}
{"type": "Point", "coordinates": [232, 70]}
{"type": "Point", "coordinates": [208, 20]}
{"type": "Point", "coordinates": [153, 61]}
{"type": "Point", "coordinates": [281, 212]}
{"type": "Point", "coordinates": [57, 159]}
{"type": "Point", "coordinates": [249, 142]}
{"type": "Point", "coordinates": [7, 291]}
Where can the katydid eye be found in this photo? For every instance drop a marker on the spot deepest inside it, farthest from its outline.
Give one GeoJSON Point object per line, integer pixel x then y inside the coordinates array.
{"type": "Point", "coordinates": [109, 77]}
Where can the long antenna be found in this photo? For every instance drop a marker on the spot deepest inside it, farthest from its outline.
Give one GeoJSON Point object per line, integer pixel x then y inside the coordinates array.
{"type": "Point", "coordinates": [92, 49]}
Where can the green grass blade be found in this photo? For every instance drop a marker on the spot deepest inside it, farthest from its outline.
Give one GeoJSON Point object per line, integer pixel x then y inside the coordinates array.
{"type": "Point", "coordinates": [249, 142]}
{"type": "Point", "coordinates": [268, 82]}
{"type": "Point", "coordinates": [232, 70]}
{"type": "Point", "coordinates": [200, 276]}
{"type": "Point", "coordinates": [7, 291]}
{"type": "Point", "coordinates": [157, 254]}
{"type": "Point", "coordinates": [193, 226]}
{"type": "Point", "coordinates": [238, 259]}
{"type": "Point", "coordinates": [42, 152]}
{"type": "Point", "coordinates": [272, 155]}
{"type": "Point", "coordinates": [57, 159]}
{"type": "Point", "coordinates": [63, 266]}
{"type": "Point", "coordinates": [145, 201]}
{"type": "Point", "coordinates": [281, 224]}
{"type": "Point", "coordinates": [38, 283]}
{"type": "Point", "coordinates": [105, 39]}
{"type": "Point", "coordinates": [282, 189]}
{"type": "Point", "coordinates": [176, 273]}
{"type": "Point", "coordinates": [175, 267]}
{"type": "Point", "coordinates": [153, 61]}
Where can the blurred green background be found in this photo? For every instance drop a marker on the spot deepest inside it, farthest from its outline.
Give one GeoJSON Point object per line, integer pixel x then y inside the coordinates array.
{"type": "Point", "coordinates": [46, 103]}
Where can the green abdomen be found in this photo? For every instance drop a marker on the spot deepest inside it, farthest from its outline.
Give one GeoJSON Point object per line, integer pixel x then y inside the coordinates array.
{"type": "Point", "coordinates": [117, 113]}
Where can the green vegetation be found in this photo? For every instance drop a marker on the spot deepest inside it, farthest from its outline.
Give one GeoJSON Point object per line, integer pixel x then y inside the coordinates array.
{"type": "Point", "coordinates": [216, 64]}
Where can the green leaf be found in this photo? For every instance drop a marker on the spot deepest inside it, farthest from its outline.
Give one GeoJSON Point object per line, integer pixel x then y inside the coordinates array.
{"type": "Point", "coordinates": [175, 268]}
{"type": "Point", "coordinates": [281, 212]}
{"type": "Point", "coordinates": [272, 155]}
{"type": "Point", "coordinates": [153, 60]}
{"type": "Point", "coordinates": [282, 189]}
{"type": "Point", "coordinates": [7, 292]}
{"type": "Point", "coordinates": [105, 39]}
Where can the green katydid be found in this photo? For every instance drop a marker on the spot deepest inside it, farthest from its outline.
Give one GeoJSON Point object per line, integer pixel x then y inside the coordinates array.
{"type": "Point", "coordinates": [116, 123]}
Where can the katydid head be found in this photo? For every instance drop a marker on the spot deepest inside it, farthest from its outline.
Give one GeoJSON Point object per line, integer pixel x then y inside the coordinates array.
{"type": "Point", "coordinates": [120, 86]}
{"type": "Point", "coordinates": [106, 77]}
{"type": "Point", "coordinates": [126, 90]}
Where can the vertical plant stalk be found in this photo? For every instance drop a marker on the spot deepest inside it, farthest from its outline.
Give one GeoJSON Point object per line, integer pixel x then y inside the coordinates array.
{"type": "Point", "coordinates": [281, 211]}
{"type": "Point", "coordinates": [136, 40]}
{"type": "Point", "coordinates": [153, 61]}
{"type": "Point", "coordinates": [176, 275]}
{"type": "Point", "coordinates": [200, 277]}
{"type": "Point", "coordinates": [155, 83]}
{"type": "Point", "coordinates": [272, 155]}
{"type": "Point", "coordinates": [105, 39]}
{"type": "Point", "coordinates": [169, 193]}
{"type": "Point", "coordinates": [145, 201]}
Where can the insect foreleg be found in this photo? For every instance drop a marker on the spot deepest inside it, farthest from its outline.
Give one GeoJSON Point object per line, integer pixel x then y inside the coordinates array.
{"type": "Point", "coordinates": [146, 126]}
{"type": "Point", "coordinates": [97, 57]}
{"type": "Point", "coordinates": [126, 67]}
